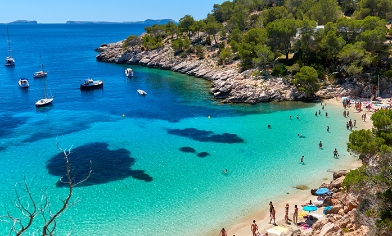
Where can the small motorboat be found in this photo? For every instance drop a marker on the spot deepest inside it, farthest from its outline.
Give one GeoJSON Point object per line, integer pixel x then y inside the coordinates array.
{"type": "Point", "coordinates": [129, 72]}
{"type": "Point", "coordinates": [23, 83]}
{"type": "Point", "coordinates": [89, 83]}
{"type": "Point", "coordinates": [141, 92]}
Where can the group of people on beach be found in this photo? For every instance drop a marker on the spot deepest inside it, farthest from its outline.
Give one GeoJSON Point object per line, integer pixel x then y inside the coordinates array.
{"type": "Point", "coordinates": [255, 229]}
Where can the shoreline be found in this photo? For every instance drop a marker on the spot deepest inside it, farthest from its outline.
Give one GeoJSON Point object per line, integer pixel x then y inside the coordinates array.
{"type": "Point", "coordinates": [228, 85]}
{"type": "Point", "coordinates": [242, 227]}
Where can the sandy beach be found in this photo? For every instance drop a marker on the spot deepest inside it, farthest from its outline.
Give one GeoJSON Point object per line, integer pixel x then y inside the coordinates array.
{"type": "Point", "coordinates": [298, 197]}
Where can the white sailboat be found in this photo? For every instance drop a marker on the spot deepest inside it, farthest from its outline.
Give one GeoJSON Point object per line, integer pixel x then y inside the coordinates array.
{"type": "Point", "coordinates": [9, 60]}
{"type": "Point", "coordinates": [41, 73]}
{"type": "Point", "coordinates": [46, 100]}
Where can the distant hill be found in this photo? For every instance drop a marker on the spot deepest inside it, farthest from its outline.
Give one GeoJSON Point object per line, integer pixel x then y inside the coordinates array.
{"type": "Point", "coordinates": [145, 22]}
{"type": "Point", "coordinates": [23, 22]}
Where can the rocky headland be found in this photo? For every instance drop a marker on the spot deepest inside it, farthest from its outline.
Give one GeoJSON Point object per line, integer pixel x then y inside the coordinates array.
{"type": "Point", "coordinates": [227, 83]}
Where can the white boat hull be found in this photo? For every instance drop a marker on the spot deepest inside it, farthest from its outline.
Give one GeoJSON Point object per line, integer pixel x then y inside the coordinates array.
{"type": "Point", "coordinates": [40, 74]}
{"type": "Point", "coordinates": [141, 92]}
{"type": "Point", "coordinates": [44, 102]}
{"type": "Point", "coordinates": [9, 61]}
{"type": "Point", "coordinates": [129, 72]}
{"type": "Point", "coordinates": [23, 83]}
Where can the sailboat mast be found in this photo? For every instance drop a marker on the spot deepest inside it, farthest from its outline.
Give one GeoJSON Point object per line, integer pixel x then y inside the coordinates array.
{"type": "Point", "coordinates": [9, 44]}
{"type": "Point", "coordinates": [42, 64]}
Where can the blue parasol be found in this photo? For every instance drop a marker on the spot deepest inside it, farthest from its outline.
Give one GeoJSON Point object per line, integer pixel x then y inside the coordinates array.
{"type": "Point", "coordinates": [310, 208]}
{"type": "Point", "coordinates": [322, 191]}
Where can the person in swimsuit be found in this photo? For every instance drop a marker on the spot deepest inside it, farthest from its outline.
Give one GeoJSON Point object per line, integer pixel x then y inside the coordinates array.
{"type": "Point", "coordinates": [254, 228]}
{"type": "Point", "coordinates": [223, 232]}
{"type": "Point", "coordinates": [272, 216]}
{"type": "Point", "coordinates": [302, 159]}
{"type": "Point", "coordinates": [286, 216]}
{"type": "Point", "coordinates": [295, 215]}
{"type": "Point", "coordinates": [320, 145]}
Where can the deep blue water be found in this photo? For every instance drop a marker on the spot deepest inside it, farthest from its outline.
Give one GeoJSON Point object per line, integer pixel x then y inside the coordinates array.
{"type": "Point", "coordinates": [157, 159]}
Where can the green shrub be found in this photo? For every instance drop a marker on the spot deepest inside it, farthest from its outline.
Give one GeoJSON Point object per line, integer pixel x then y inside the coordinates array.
{"type": "Point", "coordinates": [279, 70]}
{"type": "Point", "coordinates": [355, 179]}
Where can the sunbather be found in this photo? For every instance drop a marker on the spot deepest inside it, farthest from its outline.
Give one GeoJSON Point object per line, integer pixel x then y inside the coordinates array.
{"type": "Point", "coordinates": [307, 204]}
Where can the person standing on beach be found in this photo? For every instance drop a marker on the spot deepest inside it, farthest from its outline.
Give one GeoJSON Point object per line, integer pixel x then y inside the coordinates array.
{"type": "Point", "coordinates": [272, 217]}
{"type": "Point", "coordinates": [254, 228]}
{"type": "Point", "coordinates": [295, 215]}
{"type": "Point", "coordinates": [223, 232]}
{"type": "Point", "coordinates": [355, 123]}
{"type": "Point", "coordinates": [286, 216]}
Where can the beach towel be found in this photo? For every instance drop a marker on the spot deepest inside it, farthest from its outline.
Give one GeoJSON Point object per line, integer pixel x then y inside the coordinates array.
{"type": "Point", "coordinates": [302, 213]}
{"type": "Point", "coordinates": [278, 230]}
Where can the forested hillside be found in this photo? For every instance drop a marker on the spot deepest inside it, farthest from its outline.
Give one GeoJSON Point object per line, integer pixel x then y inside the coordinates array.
{"type": "Point", "coordinates": [312, 42]}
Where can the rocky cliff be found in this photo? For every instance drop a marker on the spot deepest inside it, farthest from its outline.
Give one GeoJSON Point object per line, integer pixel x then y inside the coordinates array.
{"type": "Point", "coordinates": [341, 218]}
{"type": "Point", "coordinates": [227, 83]}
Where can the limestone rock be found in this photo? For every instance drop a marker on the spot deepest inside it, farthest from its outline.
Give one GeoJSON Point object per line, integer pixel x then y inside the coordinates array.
{"type": "Point", "coordinates": [339, 174]}
{"type": "Point", "coordinates": [337, 183]}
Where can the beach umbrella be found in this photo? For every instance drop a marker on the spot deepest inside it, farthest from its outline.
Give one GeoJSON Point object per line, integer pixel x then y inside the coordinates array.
{"type": "Point", "coordinates": [310, 208]}
{"type": "Point", "coordinates": [322, 191]}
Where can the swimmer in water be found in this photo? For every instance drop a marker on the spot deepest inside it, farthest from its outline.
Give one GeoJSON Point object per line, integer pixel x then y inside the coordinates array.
{"type": "Point", "coordinates": [269, 126]}
{"type": "Point", "coordinates": [320, 145]}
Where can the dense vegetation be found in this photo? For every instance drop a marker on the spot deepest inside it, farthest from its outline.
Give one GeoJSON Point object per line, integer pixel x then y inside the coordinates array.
{"type": "Point", "coordinates": [373, 181]}
{"type": "Point", "coordinates": [338, 39]}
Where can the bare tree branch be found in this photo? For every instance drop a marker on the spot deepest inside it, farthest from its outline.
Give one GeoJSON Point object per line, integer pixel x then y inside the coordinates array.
{"type": "Point", "coordinates": [29, 209]}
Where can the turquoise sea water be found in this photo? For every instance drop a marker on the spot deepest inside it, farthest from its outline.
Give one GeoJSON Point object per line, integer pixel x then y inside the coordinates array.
{"type": "Point", "coordinates": [143, 181]}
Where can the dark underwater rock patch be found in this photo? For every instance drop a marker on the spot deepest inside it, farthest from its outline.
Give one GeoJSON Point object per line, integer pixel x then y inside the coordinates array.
{"type": "Point", "coordinates": [206, 136]}
{"type": "Point", "coordinates": [107, 165]}
{"type": "Point", "coordinates": [203, 154]}
{"type": "Point", "coordinates": [187, 149]}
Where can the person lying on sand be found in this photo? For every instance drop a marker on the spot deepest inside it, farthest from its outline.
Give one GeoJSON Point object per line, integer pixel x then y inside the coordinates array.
{"type": "Point", "coordinates": [307, 204]}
